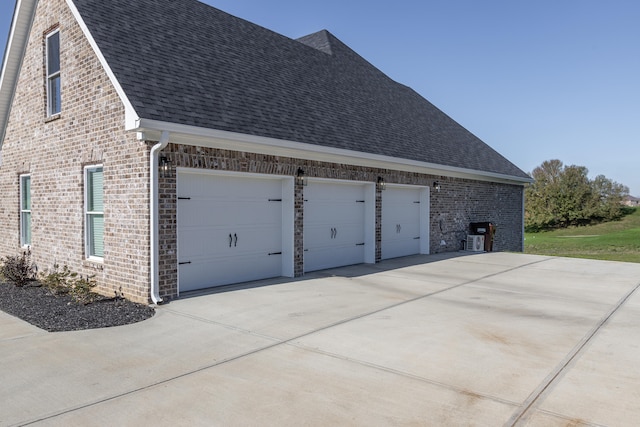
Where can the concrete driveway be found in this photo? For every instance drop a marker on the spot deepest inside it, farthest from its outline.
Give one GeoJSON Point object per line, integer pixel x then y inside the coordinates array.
{"type": "Point", "coordinates": [489, 339]}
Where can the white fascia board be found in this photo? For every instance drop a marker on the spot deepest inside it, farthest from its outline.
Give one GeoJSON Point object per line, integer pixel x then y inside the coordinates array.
{"type": "Point", "coordinates": [13, 55]}
{"type": "Point", "coordinates": [193, 135]}
{"type": "Point", "coordinates": [131, 117]}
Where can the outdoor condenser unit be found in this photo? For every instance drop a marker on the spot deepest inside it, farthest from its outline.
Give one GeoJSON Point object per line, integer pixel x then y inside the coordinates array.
{"type": "Point", "coordinates": [475, 243]}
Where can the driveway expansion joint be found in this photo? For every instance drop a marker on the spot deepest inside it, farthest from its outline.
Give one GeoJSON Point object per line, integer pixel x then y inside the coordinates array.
{"type": "Point", "coordinates": [540, 393]}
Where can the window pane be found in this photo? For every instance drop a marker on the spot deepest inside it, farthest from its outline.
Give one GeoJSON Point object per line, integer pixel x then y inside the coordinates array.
{"type": "Point", "coordinates": [95, 214]}
{"type": "Point", "coordinates": [94, 199]}
{"type": "Point", "coordinates": [54, 95]}
{"type": "Point", "coordinates": [53, 53]}
{"type": "Point", "coordinates": [96, 244]}
{"type": "Point", "coordinates": [25, 210]}
{"type": "Point", "coordinates": [25, 232]}
{"type": "Point", "coordinates": [26, 193]}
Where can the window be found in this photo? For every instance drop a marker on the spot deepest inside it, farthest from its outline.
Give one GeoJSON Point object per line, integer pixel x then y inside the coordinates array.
{"type": "Point", "coordinates": [25, 210]}
{"type": "Point", "coordinates": [53, 73]}
{"type": "Point", "coordinates": [94, 212]}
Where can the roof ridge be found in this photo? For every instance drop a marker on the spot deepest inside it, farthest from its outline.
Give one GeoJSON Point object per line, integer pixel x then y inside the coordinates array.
{"type": "Point", "coordinates": [209, 69]}
{"type": "Point", "coordinates": [319, 40]}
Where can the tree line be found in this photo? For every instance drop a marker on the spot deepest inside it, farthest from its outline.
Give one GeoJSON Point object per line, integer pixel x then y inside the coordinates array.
{"type": "Point", "coordinates": [564, 196]}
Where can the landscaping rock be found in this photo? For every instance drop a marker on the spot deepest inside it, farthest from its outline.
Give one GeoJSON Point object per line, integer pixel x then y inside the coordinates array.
{"type": "Point", "coordinates": [56, 313]}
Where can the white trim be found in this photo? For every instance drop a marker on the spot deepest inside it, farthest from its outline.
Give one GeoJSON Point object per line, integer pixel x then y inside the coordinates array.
{"type": "Point", "coordinates": [369, 222]}
{"type": "Point", "coordinates": [130, 114]}
{"type": "Point", "coordinates": [369, 219]}
{"type": "Point", "coordinates": [425, 221]}
{"type": "Point", "coordinates": [425, 214]}
{"type": "Point", "coordinates": [154, 226]}
{"type": "Point", "coordinates": [87, 232]}
{"type": "Point", "coordinates": [193, 135]}
{"type": "Point", "coordinates": [288, 209]}
{"type": "Point", "coordinates": [22, 211]}
{"type": "Point", "coordinates": [201, 171]}
{"type": "Point", "coordinates": [50, 76]}
{"type": "Point", "coordinates": [13, 56]}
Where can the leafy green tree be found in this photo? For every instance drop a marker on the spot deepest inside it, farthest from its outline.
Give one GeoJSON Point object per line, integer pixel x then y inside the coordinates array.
{"type": "Point", "coordinates": [564, 196]}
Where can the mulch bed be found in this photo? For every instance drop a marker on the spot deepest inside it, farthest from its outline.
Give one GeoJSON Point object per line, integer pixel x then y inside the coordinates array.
{"type": "Point", "coordinates": [55, 313]}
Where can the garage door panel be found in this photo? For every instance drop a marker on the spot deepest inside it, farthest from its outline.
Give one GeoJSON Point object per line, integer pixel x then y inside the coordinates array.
{"type": "Point", "coordinates": [196, 241]}
{"type": "Point", "coordinates": [199, 273]}
{"type": "Point", "coordinates": [334, 224]}
{"type": "Point", "coordinates": [203, 212]}
{"type": "Point", "coordinates": [324, 258]}
{"type": "Point", "coordinates": [227, 227]}
{"type": "Point", "coordinates": [401, 222]}
{"type": "Point", "coordinates": [214, 240]}
{"type": "Point", "coordinates": [340, 234]}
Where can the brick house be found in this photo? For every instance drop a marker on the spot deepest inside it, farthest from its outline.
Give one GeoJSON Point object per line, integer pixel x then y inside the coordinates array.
{"type": "Point", "coordinates": [631, 201]}
{"type": "Point", "coordinates": [166, 146]}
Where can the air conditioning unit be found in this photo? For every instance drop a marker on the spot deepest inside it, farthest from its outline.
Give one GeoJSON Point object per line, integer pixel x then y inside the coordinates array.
{"type": "Point", "coordinates": [475, 243]}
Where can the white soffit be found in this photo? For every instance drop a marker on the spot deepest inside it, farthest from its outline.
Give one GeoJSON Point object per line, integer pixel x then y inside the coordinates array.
{"type": "Point", "coordinates": [13, 54]}
{"type": "Point", "coordinates": [192, 135]}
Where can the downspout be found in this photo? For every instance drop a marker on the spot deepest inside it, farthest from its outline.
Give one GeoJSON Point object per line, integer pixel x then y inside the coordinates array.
{"type": "Point", "coordinates": [154, 222]}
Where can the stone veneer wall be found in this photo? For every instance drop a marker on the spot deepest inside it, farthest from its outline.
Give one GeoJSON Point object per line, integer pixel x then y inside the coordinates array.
{"type": "Point", "coordinates": [458, 203]}
{"type": "Point", "coordinates": [89, 130]}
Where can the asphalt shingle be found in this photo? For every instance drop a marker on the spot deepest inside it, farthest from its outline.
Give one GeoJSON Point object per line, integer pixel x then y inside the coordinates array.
{"type": "Point", "coordinates": [181, 61]}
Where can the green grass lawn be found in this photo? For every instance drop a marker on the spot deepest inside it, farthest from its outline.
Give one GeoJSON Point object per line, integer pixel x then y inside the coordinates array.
{"type": "Point", "coordinates": [613, 241]}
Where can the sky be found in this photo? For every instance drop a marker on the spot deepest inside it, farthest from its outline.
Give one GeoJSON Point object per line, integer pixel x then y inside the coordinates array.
{"type": "Point", "coordinates": [550, 79]}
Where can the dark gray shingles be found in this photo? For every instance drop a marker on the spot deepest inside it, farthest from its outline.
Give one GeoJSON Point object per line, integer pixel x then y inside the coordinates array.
{"type": "Point", "coordinates": [185, 62]}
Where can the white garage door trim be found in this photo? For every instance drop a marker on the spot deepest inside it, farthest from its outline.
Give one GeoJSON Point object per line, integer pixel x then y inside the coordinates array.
{"type": "Point", "coordinates": [421, 229]}
{"type": "Point", "coordinates": [327, 234]}
{"type": "Point", "coordinates": [286, 201]}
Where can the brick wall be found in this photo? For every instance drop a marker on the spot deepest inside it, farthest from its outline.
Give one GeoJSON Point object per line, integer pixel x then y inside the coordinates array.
{"type": "Point", "coordinates": [458, 202]}
{"type": "Point", "coordinates": [89, 130]}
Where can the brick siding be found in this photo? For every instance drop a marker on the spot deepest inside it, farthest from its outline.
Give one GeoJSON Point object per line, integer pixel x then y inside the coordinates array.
{"type": "Point", "coordinates": [458, 203]}
{"type": "Point", "coordinates": [90, 130]}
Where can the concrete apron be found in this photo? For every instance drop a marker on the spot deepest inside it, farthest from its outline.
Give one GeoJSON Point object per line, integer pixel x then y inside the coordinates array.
{"type": "Point", "coordinates": [486, 339]}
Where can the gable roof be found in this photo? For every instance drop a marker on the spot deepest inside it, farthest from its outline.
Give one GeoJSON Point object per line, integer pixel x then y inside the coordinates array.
{"type": "Point", "coordinates": [12, 60]}
{"type": "Point", "coordinates": [187, 63]}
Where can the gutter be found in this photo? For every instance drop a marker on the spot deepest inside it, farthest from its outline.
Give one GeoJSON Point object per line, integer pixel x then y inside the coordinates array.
{"type": "Point", "coordinates": [193, 135]}
{"type": "Point", "coordinates": [154, 220]}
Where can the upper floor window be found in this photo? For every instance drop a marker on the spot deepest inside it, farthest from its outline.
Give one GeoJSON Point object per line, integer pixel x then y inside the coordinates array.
{"type": "Point", "coordinates": [94, 212]}
{"type": "Point", "coordinates": [53, 73]}
{"type": "Point", "coordinates": [25, 210]}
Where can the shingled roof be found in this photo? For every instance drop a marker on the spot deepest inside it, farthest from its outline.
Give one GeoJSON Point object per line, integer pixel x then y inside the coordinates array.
{"type": "Point", "coordinates": [184, 62]}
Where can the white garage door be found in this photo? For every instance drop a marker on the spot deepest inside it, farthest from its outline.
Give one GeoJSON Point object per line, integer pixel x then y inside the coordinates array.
{"type": "Point", "coordinates": [338, 224]}
{"type": "Point", "coordinates": [230, 229]}
{"type": "Point", "coordinates": [404, 221]}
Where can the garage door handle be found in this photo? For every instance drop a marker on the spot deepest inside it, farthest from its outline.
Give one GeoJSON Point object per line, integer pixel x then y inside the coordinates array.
{"type": "Point", "coordinates": [183, 263]}
{"type": "Point", "coordinates": [235, 243]}
{"type": "Point", "coordinates": [230, 239]}
{"type": "Point", "coordinates": [275, 253]}
{"type": "Point", "coordinates": [359, 244]}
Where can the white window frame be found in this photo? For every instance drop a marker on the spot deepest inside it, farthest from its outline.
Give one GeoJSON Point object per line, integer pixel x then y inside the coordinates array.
{"type": "Point", "coordinates": [53, 76]}
{"type": "Point", "coordinates": [88, 214]}
{"type": "Point", "coordinates": [25, 213]}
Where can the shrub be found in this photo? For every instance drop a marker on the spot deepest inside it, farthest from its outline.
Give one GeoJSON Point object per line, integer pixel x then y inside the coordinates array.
{"type": "Point", "coordinates": [18, 269]}
{"type": "Point", "coordinates": [68, 282]}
